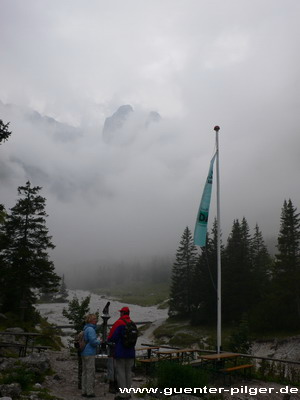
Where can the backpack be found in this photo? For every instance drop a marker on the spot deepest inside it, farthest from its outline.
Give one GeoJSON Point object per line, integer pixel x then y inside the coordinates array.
{"type": "Point", "coordinates": [130, 334]}
{"type": "Point", "coordinates": [80, 341]}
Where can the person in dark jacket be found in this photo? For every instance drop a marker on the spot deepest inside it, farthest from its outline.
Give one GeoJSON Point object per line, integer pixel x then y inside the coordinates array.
{"type": "Point", "coordinates": [124, 357]}
{"type": "Point", "coordinates": [88, 356]}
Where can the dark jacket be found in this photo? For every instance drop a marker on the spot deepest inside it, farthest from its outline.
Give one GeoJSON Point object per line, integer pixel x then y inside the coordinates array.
{"type": "Point", "coordinates": [116, 334]}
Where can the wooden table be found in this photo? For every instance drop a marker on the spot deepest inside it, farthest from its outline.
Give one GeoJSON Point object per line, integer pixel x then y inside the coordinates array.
{"type": "Point", "coordinates": [24, 346]}
{"type": "Point", "coordinates": [178, 354]}
{"type": "Point", "coordinates": [218, 360]}
{"type": "Point", "coordinates": [149, 350]}
{"type": "Point", "coordinates": [219, 356]}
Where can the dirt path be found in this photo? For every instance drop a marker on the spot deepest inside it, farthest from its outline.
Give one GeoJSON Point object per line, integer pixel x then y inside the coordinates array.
{"type": "Point", "coordinates": [64, 383]}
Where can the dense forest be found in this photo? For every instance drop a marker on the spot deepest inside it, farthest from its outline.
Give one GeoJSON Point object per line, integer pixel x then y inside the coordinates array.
{"type": "Point", "coordinates": [256, 287]}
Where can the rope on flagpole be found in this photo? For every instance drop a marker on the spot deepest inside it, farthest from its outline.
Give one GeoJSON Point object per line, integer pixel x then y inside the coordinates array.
{"type": "Point", "coordinates": [219, 308]}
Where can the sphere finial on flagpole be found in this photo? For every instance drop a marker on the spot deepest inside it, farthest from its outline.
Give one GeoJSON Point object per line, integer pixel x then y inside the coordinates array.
{"type": "Point", "coordinates": [216, 128]}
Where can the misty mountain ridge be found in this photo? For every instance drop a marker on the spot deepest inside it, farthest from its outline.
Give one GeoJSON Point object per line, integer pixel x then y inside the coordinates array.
{"type": "Point", "coordinates": [119, 121]}
{"type": "Point", "coordinates": [113, 126]}
{"type": "Point", "coordinates": [115, 122]}
{"type": "Point", "coordinates": [79, 152]}
{"type": "Point", "coordinates": [59, 131]}
{"type": "Point", "coordinates": [29, 154]}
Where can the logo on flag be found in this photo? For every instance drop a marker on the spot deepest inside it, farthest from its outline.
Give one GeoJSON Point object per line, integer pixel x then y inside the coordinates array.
{"type": "Point", "coordinates": [202, 217]}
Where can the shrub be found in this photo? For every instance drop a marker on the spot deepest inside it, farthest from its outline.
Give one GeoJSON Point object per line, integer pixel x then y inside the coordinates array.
{"type": "Point", "coordinates": [240, 339]}
{"type": "Point", "coordinates": [171, 374]}
{"type": "Point", "coordinates": [23, 376]}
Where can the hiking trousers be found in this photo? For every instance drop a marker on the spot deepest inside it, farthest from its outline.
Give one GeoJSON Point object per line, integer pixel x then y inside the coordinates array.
{"type": "Point", "coordinates": [124, 374]}
{"type": "Point", "coordinates": [88, 375]}
{"type": "Point", "coordinates": [111, 369]}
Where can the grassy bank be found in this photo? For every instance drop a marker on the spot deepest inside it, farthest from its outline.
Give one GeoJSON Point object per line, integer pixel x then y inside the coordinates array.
{"type": "Point", "coordinates": [179, 332]}
{"type": "Point", "coordinates": [136, 293]}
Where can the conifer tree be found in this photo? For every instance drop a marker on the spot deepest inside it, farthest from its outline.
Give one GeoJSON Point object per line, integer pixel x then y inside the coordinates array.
{"type": "Point", "coordinates": [26, 263]}
{"type": "Point", "coordinates": [236, 275]}
{"type": "Point", "coordinates": [205, 281]}
{"type": "Point", "coordinates": [62, 294]}
{"type": "Point", "coordinates": [288, 244]}
{"type": "Point", "coordinates": [182, 275]}
{"type": "Point", "coordinates": [261, 264]}
{"type": "Point", "coordinates": [77, 311]}
{"type": "Point", "coordinates": [287, 264]}
{"type": "Point", "coordinates": [4, 132]}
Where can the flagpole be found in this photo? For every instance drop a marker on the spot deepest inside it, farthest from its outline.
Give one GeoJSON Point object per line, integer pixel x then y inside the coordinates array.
{"type": "Point", "coordinates": [219, 309]}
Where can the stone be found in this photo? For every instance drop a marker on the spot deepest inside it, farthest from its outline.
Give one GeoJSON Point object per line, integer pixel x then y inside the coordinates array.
{"type": "Point", "coordinates": [7, 363]}
{"type": "Point", "coordinates": [37, 362]}
{"type": "Point", "coordinates": [12, 390]}
{"type": "Point", "coordinates": [37, 386]}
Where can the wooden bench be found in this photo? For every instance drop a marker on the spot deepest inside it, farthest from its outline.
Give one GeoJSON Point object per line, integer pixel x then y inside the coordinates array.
{"type": "Point", "coordinates": [149, 363]}
{"type": "Point", "coordinates": [18, 346]}
{"type": "Point", "coordinates": [148, 349]}
{"type": "Point", "coordinates": [40, 348]}
{"type": "Point", "coordinates": [194, 363]}
{"type": "Point", "coordinates": [236, 368]}
{"type": "Point", "coordinates": [227, 371]}
{"type": "Point", "coordinates": [21, 347]}
{"type": "Point", "coordinates": [147, 360]}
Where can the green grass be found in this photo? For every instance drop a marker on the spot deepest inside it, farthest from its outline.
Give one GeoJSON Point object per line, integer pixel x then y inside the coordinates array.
{"type": "Point", "coordinates": [178, 332]}
{"type": "Point", "coordinates": [174, 375]}
{"type": "Point", "coordinates": [137, 293]}
{"type": "Point", "coordinates": [44, 394]}
{"type": "Point", "coordinates": [22, 375]}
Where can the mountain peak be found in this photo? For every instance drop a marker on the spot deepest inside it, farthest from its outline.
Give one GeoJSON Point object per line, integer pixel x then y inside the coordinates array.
{"type": "Point", "coordinates": [116, 121]}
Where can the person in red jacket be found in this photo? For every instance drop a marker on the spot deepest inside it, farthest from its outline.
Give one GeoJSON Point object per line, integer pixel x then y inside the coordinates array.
{"type": "Point", "coordinates": [124, 357]}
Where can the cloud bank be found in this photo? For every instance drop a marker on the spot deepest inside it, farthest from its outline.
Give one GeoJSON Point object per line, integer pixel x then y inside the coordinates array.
{"type": "Point", "coordinates": [128, 192]}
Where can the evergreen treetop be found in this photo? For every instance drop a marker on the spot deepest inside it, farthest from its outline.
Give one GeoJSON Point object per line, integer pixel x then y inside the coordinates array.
{"type": "Point", "coordinates": [182, 275]}
{"type": "Point", "coordinates": [24, 252]}
{"type": "Point", "coordinates": [4, 132]}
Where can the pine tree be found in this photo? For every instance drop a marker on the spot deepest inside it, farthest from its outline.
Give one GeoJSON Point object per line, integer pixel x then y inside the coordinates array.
{"type": "Point", "coordinates": [261, 264]}
{"type": "Point", "coordinates": [236, 275]}
{"type": "Point", "coordinates": [287, 264]}
{"type": "Point", "coordinates": [182, 275]}
{"type": "Point", "coordinates": [62, 293]}
{"type": "Point", "coordinates": [3, 215]}
{"type": "Point", "coordinates": [205, 281]}
{"type": "Point", "coordinates": [288, 245]}
{"type": "Point", "coordinates": [4, 132]}
{"type": "Point", "coordinates": [26, 264]}
{"type": "Point", "coordinates": [77, 311]}
{"type": "Point", "coordinates": [46, 295]}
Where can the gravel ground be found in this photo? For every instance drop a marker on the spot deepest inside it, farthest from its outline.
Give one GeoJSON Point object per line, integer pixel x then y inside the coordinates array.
{"type": "Point", "coordinates": [64, 383]}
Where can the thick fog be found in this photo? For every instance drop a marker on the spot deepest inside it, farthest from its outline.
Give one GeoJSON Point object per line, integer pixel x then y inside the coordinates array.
{"type": "Point", "coordinates": [123, 183]}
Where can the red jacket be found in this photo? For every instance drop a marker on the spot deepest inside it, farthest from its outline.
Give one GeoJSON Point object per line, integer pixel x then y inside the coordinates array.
{"type": "Point", "coordinates": [116, 334]}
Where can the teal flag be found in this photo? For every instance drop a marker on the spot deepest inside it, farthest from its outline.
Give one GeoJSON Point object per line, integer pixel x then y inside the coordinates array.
{"type": "Point", "coordinates": [202, 217]}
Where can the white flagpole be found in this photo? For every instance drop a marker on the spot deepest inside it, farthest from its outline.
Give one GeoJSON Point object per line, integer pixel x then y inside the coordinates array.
{"type": "Point", "coordinates": [219, 309]}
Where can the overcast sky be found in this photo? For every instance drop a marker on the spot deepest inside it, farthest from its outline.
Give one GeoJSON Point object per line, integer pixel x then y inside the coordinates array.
{"type": "Point", "coordinates": [233, 63]}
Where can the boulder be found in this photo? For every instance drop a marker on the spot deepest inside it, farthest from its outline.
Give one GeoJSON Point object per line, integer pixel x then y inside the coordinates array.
{"type": "Point", "coordinates": [12, 390]}
{"type": "Point", "coordinates": [37, 362]}
{"type": "Point", "coordinates": [7, 363]}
